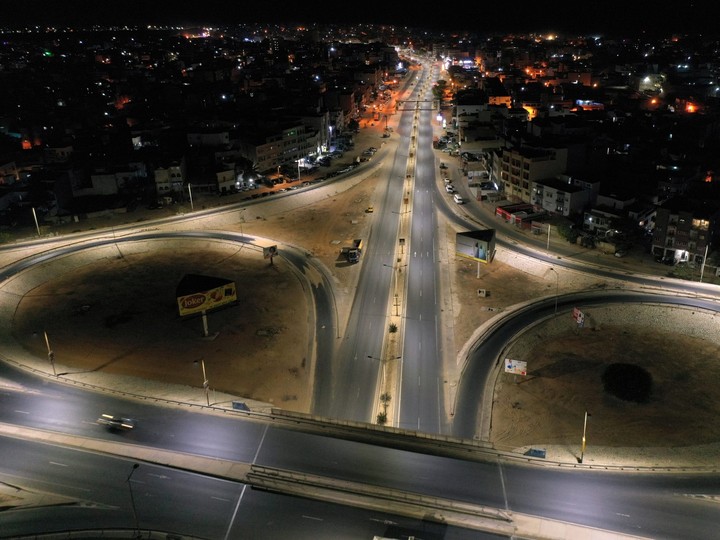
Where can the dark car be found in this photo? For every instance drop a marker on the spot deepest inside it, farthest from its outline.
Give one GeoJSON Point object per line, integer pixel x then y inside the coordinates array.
{"type": "Point", "coordinates": [116, 423]}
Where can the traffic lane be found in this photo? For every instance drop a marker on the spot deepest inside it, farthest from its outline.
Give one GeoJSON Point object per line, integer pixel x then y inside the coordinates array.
{"type": "Point", "coordinates": [74, 411]}
{"type": "Point", "coordinates": [656, 506]}
{"type": "Point", "coordinates": [383, 466]}
{"type": "Point", "coordinates": [97, 491]}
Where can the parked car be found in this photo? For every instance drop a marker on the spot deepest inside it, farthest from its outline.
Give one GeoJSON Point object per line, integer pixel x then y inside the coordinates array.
{"type": "Point", "coordinates": [449, 188]}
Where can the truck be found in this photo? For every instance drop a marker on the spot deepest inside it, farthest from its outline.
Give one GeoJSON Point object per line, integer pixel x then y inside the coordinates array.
{"type": "Point", "coordinates": [352, 253]}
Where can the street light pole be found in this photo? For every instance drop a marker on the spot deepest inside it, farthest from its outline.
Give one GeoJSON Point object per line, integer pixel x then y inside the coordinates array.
{"type": "Point", "coordinates": [37, 226]}
{"type": "Point", "coordinates": [702, 267]}
{"type": "Point", "coordinates": [51, 354]}
{"type": "Point", "coordinates": [557, 288]}
{"type": "Point", "coordinates": [242, 220]}
{"type": "Point", "coordinates": [132, 500]}
{"type": "Point", "coordinates": [206, 383]}
{"type": "Point", "coordinates": [548, 240]}
{"type": "Point", "coordinates": [383, 363]}
{"type": "Point", "coordinates": [192, 206]}
{"type": "Point", "coordinates": [582, 448]}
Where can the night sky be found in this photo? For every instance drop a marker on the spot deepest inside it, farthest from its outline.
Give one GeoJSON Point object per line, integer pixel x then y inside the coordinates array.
{"type": "Point", "coordinates": [628, 17]}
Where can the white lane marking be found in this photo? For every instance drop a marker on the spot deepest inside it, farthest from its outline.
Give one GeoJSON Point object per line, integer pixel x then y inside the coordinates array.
{"type": "Point", "coordinates": [58, 464]}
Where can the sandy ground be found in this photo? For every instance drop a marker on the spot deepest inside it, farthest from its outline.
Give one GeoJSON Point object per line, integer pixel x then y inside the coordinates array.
{"type": "Point", "coordinates": [115, 316]}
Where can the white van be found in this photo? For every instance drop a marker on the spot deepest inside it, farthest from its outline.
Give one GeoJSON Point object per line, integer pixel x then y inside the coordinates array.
{"type": "Point", "coordinates": [458, 199]}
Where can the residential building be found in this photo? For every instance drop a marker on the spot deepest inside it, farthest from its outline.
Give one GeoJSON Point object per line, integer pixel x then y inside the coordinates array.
{"type": "Point", "coordinates": [520, 168]}
{"type": "Point", "coordinates": [560, 197]}
{"type": "Point", "coordinates": [683, 229]}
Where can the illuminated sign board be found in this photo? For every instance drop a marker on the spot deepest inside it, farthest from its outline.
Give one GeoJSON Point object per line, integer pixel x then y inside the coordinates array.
{"type": "Point", "coordinates": [197, 294]}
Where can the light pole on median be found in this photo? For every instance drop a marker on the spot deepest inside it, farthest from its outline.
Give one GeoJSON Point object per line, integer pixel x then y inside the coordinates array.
{"type": "Point", "coordinates": [397, 300]}
{"type": "Point", "coordinates": [383, 363]}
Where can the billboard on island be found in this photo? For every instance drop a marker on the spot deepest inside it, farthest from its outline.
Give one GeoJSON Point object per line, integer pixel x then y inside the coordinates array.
{"type": "Point", "coordinates": [477, 245]}
{"type": "Point", "coordinates": [196, 294]}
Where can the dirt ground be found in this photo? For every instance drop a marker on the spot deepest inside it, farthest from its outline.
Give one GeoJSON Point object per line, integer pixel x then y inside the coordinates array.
{"type": "Point", "coordinates": [118, 320]}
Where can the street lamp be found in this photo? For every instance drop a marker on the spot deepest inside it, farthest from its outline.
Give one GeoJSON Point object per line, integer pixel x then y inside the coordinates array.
{"type": "Point", "coordinates": [37, 226]}
{"type": "Point", "coordinates": [557, 287]}
{"type": "Point", "coordinates": [192, 206]}
{"type": "Point", "coordinates": [582, 448]}
{"type": "Point", "coordinates": [383, 363]}
{"type": "Point", "coordinates": [50, 354]}
{"type": "Point", "coordinates": [132, 500]}
{"type": "Point", "coordinates": [206, 383]}
{"type": "Point", "coordinates": [242, 220]}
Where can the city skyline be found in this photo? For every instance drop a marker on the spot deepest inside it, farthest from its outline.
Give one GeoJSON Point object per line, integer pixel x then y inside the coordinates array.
{"type": "Point", "coordinates": [609, 17]}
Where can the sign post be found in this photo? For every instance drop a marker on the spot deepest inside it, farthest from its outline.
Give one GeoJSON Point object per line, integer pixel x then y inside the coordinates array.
{"type": "Point", "coordinates": [579, 317]}
{"type": "Point", "coordinates": [516, 367]}
{"type": "Point", "coordinates": [269, 253]}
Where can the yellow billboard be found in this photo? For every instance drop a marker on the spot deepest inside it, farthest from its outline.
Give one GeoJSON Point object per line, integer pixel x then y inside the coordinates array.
{"type": "Point", "coordinates": [198, 302]}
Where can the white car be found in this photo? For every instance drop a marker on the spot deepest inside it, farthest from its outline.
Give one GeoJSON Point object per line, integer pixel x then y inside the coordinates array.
{"type": "Point", "coordinates": [449, 188]}
{"type": "Point", "coordinates": [458, 199]}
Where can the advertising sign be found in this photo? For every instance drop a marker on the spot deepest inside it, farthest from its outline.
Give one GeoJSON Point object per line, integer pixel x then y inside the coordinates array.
{"type": "Point", "coordinates": [206, 300]}
{"type": "Point", "coordinates": [269, 252]}
{"type": "Point", "coordinates": [516, 367]}
{"type": "Point", "coordinates": [476, 245]}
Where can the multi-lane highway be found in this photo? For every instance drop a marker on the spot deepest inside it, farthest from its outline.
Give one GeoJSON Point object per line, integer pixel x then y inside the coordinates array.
{"type": "Point", "coordinates": [98, 492]}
